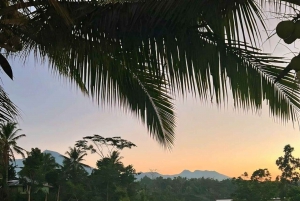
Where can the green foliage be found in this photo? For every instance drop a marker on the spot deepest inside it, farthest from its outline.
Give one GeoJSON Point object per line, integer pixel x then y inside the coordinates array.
{"type": "Point", "coordinates": [35, 173]}
{"type": "Point", "coordinates": [258, 188]}
{"type": "Point", "coordinates": [11, 172]}
{"type": "Point", "coordinates": [293, 193]}
{"type": "Point", "coordinates": [104, 147]}
{"type": "Point", "coordinates": [73, 169]}
{"type": "Point", "coordinates": [115, 179]}
{"type": "Point", "coordinates": [8, 147]}
{"type": "Point", "coordinates": [182, 189]}
{"type": "Point", "coordinates": [288, 164]}
{"type": "Point", "coordinates": [74, 191]}
{"type": "Point", "coordinates": [289, 178]}
{"type": "Point", "coordinates": [52, 177]}
{"type": "Point", "coordinates": [37, 165]}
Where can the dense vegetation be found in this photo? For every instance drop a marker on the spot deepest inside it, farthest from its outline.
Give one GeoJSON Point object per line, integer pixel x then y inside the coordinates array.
{"type": "Point", "coordinates": [260, 186]}
{"type": "Point", "coordinates": [182, 189]}
{"type": "Point", "coordinates": [110, 180]}
{"type": "Point", "coordinates": [41, 178]}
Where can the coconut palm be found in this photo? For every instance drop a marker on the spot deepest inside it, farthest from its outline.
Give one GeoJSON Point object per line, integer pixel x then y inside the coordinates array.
{"type": "Point", "coordinates": [109, 175]}
{"type": "Point", "coordinates": [141, 54]}
{"type": "Point", "coordinates": [114, 159]}
{"type": "Point", "coordinates": [8, 140]}
{"type": "Point", "coordinates": [73, 162]}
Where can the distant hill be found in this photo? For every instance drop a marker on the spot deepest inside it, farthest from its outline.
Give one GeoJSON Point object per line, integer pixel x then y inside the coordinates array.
{"type": "Point", "coordinates": [58, 159]}
{"type": "Point", "coordinates": [187, 174]}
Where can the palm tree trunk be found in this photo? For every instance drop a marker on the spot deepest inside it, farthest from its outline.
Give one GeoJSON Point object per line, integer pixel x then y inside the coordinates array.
{"type": "Point", "coordinates": [58, 193]}
{"type": "Point", "coordinates": [28, 191]}
{"type": "Point", "coordinates": [5, 176]}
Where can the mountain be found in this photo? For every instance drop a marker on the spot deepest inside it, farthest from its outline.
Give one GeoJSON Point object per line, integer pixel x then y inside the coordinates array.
{"type": "Point", "coordinates": [58, 159]}
{"type": "Point", "coordinates": [187, 174]}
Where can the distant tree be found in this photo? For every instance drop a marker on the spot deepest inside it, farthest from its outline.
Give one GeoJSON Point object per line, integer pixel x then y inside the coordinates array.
{"type": "Point", "coordinates": [111, 175]}
{"type": "Point", "coordinates": [73, 191]}
{"type": "Point", "coordinates": [290, 176]}
{"type": "Point", "coordinates": [54, 178]}
{"type": "Point", "coordinates": [72, 164]}
{"type": "Point", "coordinates": [183, 189]}
{"type": "Point", "coordinates": [288, 165]}
{"type": "Point", "coordinates": [102, 146]}
{"type": "Point", "coordinates": [146, 181]}
{"type": "Point", "coordinates": [71, 180]}
{"type": "Point", "coordinates": [32, 164]}
{"type": "Point", "coordinates": [258, 187]}
{"type": "Point", "coordinates": [35, 172]}
{"type": "Point", "coordinates": [113, 178]}
{"type": "Point", "coordinates": [8, 144]}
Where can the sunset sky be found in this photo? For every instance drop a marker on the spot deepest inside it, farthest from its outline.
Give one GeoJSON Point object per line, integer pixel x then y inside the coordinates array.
{"type": "Point", "coordinates": [229, 141]}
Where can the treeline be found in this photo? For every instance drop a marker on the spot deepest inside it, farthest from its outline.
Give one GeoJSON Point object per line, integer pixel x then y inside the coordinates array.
{"type": "Point", "coordinates": [42, 179]}
{"type": "Point", "coordinates": [260, 186]}
{"type": "Point", "coordinates": [182, 189]}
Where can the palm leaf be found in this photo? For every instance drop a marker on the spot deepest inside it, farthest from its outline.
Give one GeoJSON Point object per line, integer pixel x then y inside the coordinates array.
{"type": "Point", "coordinates": [153, 49]}
{"type": "Point", "coordinates": [8, 110]}
{"type": "Point", "coordinates": [6, 66]}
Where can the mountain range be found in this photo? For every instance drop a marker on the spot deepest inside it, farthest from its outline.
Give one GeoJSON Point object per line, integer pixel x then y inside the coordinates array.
{"type": "Point", "coordinates": [185, 173]}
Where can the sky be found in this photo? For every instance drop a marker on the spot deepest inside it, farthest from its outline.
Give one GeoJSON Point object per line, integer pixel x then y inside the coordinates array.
{"type": "Point", "coordinates": [229, 141]}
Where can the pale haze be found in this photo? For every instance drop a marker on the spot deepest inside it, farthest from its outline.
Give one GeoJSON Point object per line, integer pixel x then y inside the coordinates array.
{"type": "Point", "coordinates": [229, 141]}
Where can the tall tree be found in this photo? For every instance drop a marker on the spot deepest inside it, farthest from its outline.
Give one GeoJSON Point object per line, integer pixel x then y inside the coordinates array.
{"type": "Point", "coordinates": [290, 176]}
{"type": "Point", "coordinates": [102, 146]}
{"type": "Point", "coordinates": [72, 164]}
{"type": "Point", "coordinates": [8, 143]}
{"type": "Point", "coordinates": [112, 180]}
{"type": "Point", "coordinates": [140, 54]}
{"type": "Point", "coordinates": [73, 181]}
{"type": "Point", "coordinates": [38, 166]}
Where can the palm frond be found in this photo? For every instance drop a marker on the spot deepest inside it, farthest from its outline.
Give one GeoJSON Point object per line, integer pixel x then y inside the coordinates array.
{"type": "Point", "coordinates": [19, 150]}
{"type": "Point", "coordinates": [140, 54]}
{"type": "Point", "coordinates": [185, 58]}
{"type": "Point", "coordinates": [18, 137]}
{"type": "Point", "coordinates": [6, 66]}
{"type": "Point", "coordinates": [8, 110]}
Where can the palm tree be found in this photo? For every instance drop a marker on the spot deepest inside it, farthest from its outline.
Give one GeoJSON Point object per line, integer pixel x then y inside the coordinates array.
{"type": "Point", "coordinates": [108, 173]}
{"type": "Point", "coordinates": [49, 163]}
{"type": "Point", "coordinates": [8, 141]}
{"type": "Point", "coordinates": [141, 54]}
{"type": "Point", "coordinates": [114, 160]}
{"type": "Point", "coordinates": [75, 155]}
{"type": "Point", "coordinates": [73, 161]}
